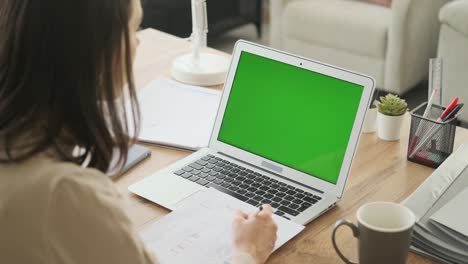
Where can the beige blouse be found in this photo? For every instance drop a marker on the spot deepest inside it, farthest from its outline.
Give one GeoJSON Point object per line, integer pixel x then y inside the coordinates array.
{"type": "Point", "coordinates": [57, 212]}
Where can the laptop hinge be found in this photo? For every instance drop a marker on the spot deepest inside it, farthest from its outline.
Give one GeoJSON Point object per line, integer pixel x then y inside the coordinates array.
{"type": "Point", "coordinates": [271, 172]}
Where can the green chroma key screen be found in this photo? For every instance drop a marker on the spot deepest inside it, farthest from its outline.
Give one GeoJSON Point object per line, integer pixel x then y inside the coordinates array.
{"type": "Point", "coordinates": [296, 117]}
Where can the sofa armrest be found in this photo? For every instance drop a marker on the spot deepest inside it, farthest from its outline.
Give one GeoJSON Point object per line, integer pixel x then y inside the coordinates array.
{"type": "Point", "coordinates": [413, 36]}
{"type": "Point", "coordinates": [455, 15]}
{"type": "Point", "coordinates": [276, 16]}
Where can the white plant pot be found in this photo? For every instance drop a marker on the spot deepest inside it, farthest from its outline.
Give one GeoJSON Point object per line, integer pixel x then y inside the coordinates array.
{"type": "Point", "coordinates": [389, 127]}
{"type": "Point", "coordinates": [370, 123]}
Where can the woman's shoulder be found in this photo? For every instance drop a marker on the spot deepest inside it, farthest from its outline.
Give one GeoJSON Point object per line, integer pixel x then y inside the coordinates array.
{"type": "Point", "coordinates": [55, 172]}
{"type": "Point", "coordinates": [45, 175]}
{"type": "Point", "coordinates": [69, 178]}
{"type": "Point", "coordinates": [48, 189]}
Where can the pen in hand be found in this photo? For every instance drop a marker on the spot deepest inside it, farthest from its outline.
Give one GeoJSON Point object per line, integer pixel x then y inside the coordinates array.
{"type": "Point", "coordinates": [259, 210]}
{"type": "Point", "coordinates": [255, 234]}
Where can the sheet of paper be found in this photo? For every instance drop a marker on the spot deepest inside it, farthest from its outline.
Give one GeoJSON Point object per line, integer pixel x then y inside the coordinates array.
{"type": "Point", "coordinates": [454, 215]}
{"type": "Point", "coordinates": [198, 231]}
{"type": "Point", "coordinates": [177, 115]}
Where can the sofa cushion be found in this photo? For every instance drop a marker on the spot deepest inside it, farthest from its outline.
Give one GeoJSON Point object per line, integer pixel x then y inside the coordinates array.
{"type": "Point", "coordinates": [455, 15]}
{"type": "Point", "coordinates": [353, 26]}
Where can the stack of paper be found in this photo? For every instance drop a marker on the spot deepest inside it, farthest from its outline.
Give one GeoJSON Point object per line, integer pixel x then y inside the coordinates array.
{"type": "Point", "coordinates": [440, 204]}
{"type": "Point", "coordinates": [199, 231]}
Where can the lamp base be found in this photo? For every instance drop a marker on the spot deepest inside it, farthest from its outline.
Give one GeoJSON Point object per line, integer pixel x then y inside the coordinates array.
{"type": "Point", "coordinates": [208, 70]}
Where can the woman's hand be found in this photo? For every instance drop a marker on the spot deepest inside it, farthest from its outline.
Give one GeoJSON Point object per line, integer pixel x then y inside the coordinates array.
{"type": "Point", "coordinates": [255, 234]}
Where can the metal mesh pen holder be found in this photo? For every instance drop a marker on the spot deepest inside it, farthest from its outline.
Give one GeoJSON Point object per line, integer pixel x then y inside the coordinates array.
{"type": "Point", "coordinates": [430, 142]}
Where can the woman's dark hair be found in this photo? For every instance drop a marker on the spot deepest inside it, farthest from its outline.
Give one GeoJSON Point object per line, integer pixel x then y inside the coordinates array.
{"type": "Point", "coordinates": [63, 69]}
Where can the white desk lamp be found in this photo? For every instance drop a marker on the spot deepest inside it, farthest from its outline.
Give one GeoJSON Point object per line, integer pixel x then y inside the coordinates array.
{"type": "Point", "coordinates": [199, 67]}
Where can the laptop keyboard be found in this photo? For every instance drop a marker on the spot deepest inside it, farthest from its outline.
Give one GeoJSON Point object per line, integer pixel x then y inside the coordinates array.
{"type": "Point", "coordinates": [248, 186]}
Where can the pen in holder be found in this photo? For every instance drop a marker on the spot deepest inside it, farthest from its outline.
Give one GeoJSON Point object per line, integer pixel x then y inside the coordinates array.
{"type": "Point", "coordinates": [430, 141]}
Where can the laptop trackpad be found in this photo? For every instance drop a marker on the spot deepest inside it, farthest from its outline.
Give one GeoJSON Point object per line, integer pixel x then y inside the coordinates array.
{"type": "Point", "coordinates": [165, 189]}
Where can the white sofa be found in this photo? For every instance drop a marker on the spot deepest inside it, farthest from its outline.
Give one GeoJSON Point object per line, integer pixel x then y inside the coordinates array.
{"type": "Point", "coordinates": [453, 49]}
{"type": "Point", "coordinates": [392, 44]}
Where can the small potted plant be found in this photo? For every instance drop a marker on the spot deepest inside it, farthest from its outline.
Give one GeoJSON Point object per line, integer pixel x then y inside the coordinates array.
{"type": "Point", "coordinates": [391, 111]}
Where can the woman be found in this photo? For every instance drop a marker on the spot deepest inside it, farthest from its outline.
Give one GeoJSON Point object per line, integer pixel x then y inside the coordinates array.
{"type": "Point", "coordinates": [64, 65]}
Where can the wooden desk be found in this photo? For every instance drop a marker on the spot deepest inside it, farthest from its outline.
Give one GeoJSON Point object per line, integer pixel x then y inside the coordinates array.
{"type": "Point", "coordinates": [380, 170]}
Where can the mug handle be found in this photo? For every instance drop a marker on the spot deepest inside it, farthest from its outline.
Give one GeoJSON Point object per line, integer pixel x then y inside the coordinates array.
{"type": "Point", "coordinates": [355, 230]}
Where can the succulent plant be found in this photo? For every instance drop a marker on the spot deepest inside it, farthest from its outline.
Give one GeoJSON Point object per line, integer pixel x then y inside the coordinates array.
{"type": "Point", "coordinates": [392, 105]}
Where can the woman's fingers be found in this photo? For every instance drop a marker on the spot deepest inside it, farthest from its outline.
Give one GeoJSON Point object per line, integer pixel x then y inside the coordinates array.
{"type": "Point", "coordinates": [267, 210]}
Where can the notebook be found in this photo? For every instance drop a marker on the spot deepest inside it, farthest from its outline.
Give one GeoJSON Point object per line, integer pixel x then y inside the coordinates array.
{"type": "Point", "coordinates": [198, 231]}
{"type": "Point", "coordinates": [177, 115]}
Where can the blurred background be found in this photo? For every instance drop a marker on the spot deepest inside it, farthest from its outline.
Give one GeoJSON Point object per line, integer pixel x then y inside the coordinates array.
{"type": "Point", "coordinates": [390, 40]}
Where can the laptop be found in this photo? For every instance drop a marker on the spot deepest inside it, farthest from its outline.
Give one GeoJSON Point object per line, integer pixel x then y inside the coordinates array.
{"type": "Point", "coordinates": [285, 134]}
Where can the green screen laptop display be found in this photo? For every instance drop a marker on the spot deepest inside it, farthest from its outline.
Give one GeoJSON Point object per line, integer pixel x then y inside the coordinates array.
{"type": "Point", "coordinates": [290, 115]}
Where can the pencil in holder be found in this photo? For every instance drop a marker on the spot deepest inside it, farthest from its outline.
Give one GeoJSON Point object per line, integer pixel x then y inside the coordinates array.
{"type": "Point", "coordinates": [430, 141]}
